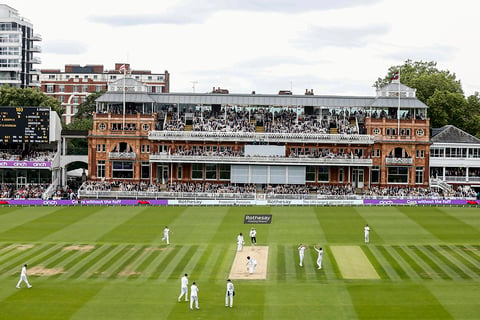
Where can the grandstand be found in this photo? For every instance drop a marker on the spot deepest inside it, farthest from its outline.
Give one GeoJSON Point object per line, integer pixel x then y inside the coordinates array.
{"type": "Point", "coordinates": [265, 141]}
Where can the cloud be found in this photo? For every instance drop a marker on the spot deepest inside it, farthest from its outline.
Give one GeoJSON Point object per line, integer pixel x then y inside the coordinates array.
{"type": "Point", "coordinates": [196, 11]}
{"type": "Point", "coordinates": [430, 53]}
{"type": "Point", "coordinates": [317, 37]}
{"type": "Point", "coordinates": [66, 47]}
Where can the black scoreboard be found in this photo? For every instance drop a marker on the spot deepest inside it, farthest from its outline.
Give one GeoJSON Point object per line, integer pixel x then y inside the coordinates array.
{"type": "Point", "coordinates": [24, 124]}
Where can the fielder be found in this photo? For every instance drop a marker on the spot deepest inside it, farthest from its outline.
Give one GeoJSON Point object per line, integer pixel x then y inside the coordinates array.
{"type": "Point", "coordinates": [301, 253]}
{"type": "Point", "coordinates": [194, 296]}
{"type": "Point", "coordinates": [183, 288]}
{"type": "Point", "coordinates": [23, 277]}
{"type": "Point", "coordinates": [367, 233]}
{"type": "Point", "coordinates": [251, 264]}
{"type": "Point", "coordinates": [253, 236]}
{"type": "Point", "coordinates": [166, 237]}
{"type": "Point", "coordinates": [320, 256]}
{"type": "Point", "coordinates": [240, 242]}
{"type": "Point", "coordinates": [229, 294]}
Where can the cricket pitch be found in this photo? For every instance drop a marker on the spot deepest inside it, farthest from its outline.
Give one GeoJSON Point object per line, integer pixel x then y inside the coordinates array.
{"type": "Point", "coordinates": [239, 267]}
{"type": "Point", "coordinates": [353, 263]}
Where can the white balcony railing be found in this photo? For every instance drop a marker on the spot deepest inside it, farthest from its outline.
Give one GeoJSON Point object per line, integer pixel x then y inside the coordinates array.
{"type": "Point", "coordinates": [122, 155]}
{"type": "Point", "coordinates": [399, 161]}
{"type": "Point", "coordinates": [261, 137]}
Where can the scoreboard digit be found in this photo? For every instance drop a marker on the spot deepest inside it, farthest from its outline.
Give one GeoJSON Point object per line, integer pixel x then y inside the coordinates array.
{"type": "Point", "coordinates": [24, 124]}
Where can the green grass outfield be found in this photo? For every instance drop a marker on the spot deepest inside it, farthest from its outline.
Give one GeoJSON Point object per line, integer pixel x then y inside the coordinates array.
{"type": "Point", "coordinates": [427, 260]}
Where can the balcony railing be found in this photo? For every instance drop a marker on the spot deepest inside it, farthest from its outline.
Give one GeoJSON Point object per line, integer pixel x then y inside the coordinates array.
{"type": "Point", "coordinates": [122, 155]}
{"type": "Point", "coordinates": [261, 137]}
{"type": "Point", "coordinates": [399, 161]}
{"type": "Point", "coordinates": [336, 161]}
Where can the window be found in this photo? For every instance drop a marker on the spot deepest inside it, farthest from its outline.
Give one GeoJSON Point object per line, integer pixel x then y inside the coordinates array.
{"type": "Point", "coordinates": [437, 152]}
{"type": "Point", "coordinates": [340, 175]}
{"type": "Point", "coordinates": [98, 88]}
{"type": "Point", "coordinates": [122, 169]}
{"type": "Point", "coordinates": [102, 126]}
{"type": "Point", "coordinates": [375, 174]}
{"type": "Point", "coordinates": [61, 88]}
{"type": "Point", "coordinates": [101, 169]}
{"type": "Point", "coordinates": [211, 171]}
{"type": "Point", "coordinates": [61, 99]}
{"type": "Point", "coordinates": [310, 174]}
{"type": "Point", "coordinates": [224, 171]}
{"type": "Point", "coordinates": [376, 131]}
{"type": "Point", "coordinates": [419, 175]}
{"type": "Point", "coordinates": [50, 88]}
{"type": "Point", "coordinates": [75, 88]}
{"type": "Point", "coordinates": [145, 148]}
{"type": "Point", "coordinates": [179, 172]}
{"type": "Point", "coordinates": [51, 77]}
{"type": "Point", "coordinates": [323, 174]}
{"type": "Point", "coordinates": [85, 89]}
{"type": "Point", "coordinates": [145, 170]}
{"type": "Point", "coordinates": [95, 77]}
{"type": "Point", "coordinates": [397, 175]}
{"type": "Point", "coordinates": [99, 147]}
{"type": "Point", "coordinates": [197, 171]}
{"type": "Point", "coordinates": [420, 132]}
{"type": "Point", "coordinates": [388, 132]}
{"type": "Point", "coordinates": [420, 154]}
{"type": "Point", "coordinates": [75, 100]}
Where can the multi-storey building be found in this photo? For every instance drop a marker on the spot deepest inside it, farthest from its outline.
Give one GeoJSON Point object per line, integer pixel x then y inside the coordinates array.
{"type": "Point", "coordinates": [75, 83]}
{"type": "Point", "coordinates": [260, 139]}
{"type": "Point", "coordinates": [17, 50]}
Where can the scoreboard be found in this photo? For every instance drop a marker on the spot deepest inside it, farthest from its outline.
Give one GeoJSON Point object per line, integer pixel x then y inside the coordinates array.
{"type": "Point", "coordinates": [24, 124]}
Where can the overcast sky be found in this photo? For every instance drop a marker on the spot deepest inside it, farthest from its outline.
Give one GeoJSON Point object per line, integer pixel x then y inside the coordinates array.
{"type": "Point", "coordinates": [337, 47]}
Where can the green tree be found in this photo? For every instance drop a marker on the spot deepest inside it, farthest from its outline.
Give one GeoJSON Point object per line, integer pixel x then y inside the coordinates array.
{"type": "Point", "coordinates": [28, 97]}
{"type": "Point", "coordinates": [439, 90]}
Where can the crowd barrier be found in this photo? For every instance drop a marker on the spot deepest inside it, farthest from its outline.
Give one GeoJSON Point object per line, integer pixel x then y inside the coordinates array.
{"type": "Point", "coordinates": [242, 202]}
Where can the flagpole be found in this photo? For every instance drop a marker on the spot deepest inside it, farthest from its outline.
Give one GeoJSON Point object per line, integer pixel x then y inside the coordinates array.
{"type": "Point", "coordinates": [124, 98]}
{"type": "Point", "coordinates": [398, 111]}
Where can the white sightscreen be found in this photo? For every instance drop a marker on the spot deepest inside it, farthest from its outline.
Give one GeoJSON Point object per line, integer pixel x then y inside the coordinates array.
{"type": "Point", "coordinates": [258, 174]}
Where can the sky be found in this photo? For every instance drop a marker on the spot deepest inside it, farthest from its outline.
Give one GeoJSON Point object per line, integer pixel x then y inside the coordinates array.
{"type": "Point", "coordinates": [335, 47]}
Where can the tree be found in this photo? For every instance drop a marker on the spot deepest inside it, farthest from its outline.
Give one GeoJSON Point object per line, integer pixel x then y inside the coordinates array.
{"type": "Point", "coordinates": [83, 119]}
{"type": "Point", "coordinates": [28, 97]}
{"type": "Point", "coordinates": [440, 91]}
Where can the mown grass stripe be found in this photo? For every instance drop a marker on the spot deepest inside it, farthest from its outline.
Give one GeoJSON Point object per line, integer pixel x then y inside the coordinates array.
{"type": "Point", "coordinates": [199, 262]}
{"type": "Point", "coordinates": [391, 263]}
{"type": "Point", "coordinates": [471, 263]}
{"type": "Point", "coordinates": [438, 266]}
{"type": "Point", "coordinates": [429, 265]}
{"type": "Point", "coordinates": [389, 268]}
{"type": "Point", "coordinates": [172, 263]}
{"type": "Point", "coordinates": [404, 265]}
{"type": "Point", "coordinates": [16, 251]}
{"type": "Point", "coordinates": [290, 264]}
{"type": "Point", "coordinates": [124, 264]}
{"type": "Point", "coordinates": [422, 267]}
{"type": "Point", "coordinates": [85, 263]}
{"type": "Point", "coordinates": [454, 265]}
{"type": "Point", "coordinates": [329, 264]}
{"type": "Point", "coordinates": [368, 250]}
{"type": "Point", "coordinates": [209, 259]}
{"type": "Point", "coordinates": [109, 268]}
{"type": "Point", "coordinates": [159, 263]}
{"type": "Point", "coordinates": [56, 260]}
{"type": "Point", "coordinates": [31, 258]}
{"type": "Point", "coordinates": [222, 266]}
{"type": "Point", "coordinates": [70, 262]}
{"type": "Point", "coordinates": [281, 269]}
{"type": "Point", "coordinates": [474, 251]}
{"type": "Point", "coordinates": [179, 268]}
{"type": "Point", "coordinates": [142, 262]}
{"type": "Point", "coordinates": [96, 264]}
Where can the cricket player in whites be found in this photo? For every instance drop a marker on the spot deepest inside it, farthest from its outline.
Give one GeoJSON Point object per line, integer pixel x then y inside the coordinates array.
{"type": "Point", "coordinates": [251, 264]}
{"type": "Point", "coordinates": [166, 235]}
{"type": "Point", "coordinates": [320, 256]}
{"type": "Point", "coordinates": [240, 242]}
{"type": "Point", "coordinates": [183, 288]}
{"type": "Point", "coordinates": [301, 253]}
{"type": "Point", "coordinates": [229, 294]}
{"type": "Point", "coordinates": [366, 231]}
{"type": "Point", "coordinates": [194, 296]}
{"type": "Point", "coordinates": [23, 277]}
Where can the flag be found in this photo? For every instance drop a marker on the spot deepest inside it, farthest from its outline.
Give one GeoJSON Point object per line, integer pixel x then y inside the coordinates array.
{"type": "Point", "coordinates": [122, 68]}
{"type": "Point", "coordinates": [396, 76]}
